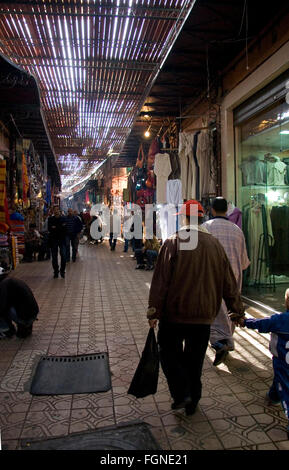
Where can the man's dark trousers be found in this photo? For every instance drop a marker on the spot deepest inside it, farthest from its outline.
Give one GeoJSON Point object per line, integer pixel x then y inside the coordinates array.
{"type": "Point", "coordinates": [183, 364]}
{"type": "Point", "coordinates": [61, 245]}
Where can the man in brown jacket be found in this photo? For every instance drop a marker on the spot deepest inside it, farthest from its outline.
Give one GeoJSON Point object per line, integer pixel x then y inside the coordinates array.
{"type": "Point", "coordinates": [185, 296]}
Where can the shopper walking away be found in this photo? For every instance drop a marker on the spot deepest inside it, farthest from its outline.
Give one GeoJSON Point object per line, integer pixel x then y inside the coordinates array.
{"type": "Point", "coordinates": [73, 229]}
{"type": "Point", "coordinates": [185, 296]}
{"type": "Point", "coordinates": [232, 239]}
{"type": "Point", "coordinates": [278, 325]}
{"type": "Point", "coordinates": [17, 305]}
{"type": "Point", "coordinates": [114, 228]}
{"type": "Point", "coordinates": [57, 241]}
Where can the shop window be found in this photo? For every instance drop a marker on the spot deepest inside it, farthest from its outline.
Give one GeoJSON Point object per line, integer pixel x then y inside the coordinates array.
{"type": "Point", "coordinates": [262, 177]}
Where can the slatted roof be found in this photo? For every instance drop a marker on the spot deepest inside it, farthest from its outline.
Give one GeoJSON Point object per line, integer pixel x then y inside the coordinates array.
{"type": "Point", "coordinates": [95, 62]}
{"type": "Point", "coordinates": [214, 36]}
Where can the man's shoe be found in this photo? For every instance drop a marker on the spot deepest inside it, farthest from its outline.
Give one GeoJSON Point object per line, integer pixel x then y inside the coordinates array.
{"type": "Point", "coordinates": [140, 266]}
{"type": "Point", "coordinates": [149, 268]}
{"type": "Point", "coordinates": [190, 409]}
{"type": "Point", "coordinates": [55, 275]}
{"type": "Point", "coordinates": [177, 405]}
{"type": "Point", "coordinates": [24, 331]}
{"type": "Point", "coordinates": [62, 274]}
{"type": "Point", "coordinates": [221, 355]}
{"type": "Point", "coordinates": [269, 401]}
{"type": "Point", "coordinates": [9, 333]}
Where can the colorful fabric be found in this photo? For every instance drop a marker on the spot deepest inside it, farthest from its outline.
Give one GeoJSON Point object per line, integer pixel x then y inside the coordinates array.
{"type": "Point", "coordinates": [2, 190]}
{"type": "Point", "coordinates": [25, 179]}
{"type": "Point", "coordinates": [19, 153]}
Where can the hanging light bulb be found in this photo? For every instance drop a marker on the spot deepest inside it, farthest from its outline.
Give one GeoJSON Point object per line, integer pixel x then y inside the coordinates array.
{"type": "Point", "coordinates": [147, 132]}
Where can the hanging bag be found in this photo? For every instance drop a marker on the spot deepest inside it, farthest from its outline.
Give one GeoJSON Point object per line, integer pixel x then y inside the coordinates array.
{"type": "Point", "coordinates": [145, 379]}
{"type": "Point", "coordinates": [140, 157]}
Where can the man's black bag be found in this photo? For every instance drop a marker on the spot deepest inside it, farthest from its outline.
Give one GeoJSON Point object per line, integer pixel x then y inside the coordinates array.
{"type": "Point", "coordinates": [145, 379]}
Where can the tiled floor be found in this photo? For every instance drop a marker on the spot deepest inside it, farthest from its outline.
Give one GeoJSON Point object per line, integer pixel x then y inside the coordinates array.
{"type": "Point", "coordinates": [101, 306]}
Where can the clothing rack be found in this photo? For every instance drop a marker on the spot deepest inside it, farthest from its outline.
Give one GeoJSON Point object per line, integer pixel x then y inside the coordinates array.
{"type": "Point", "coordinates": [265, 244]}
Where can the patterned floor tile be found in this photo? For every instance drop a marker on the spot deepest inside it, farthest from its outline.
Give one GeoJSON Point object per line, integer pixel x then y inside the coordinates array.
{"type": "Point", "coordinates": [100, 306]}
{"type": "Point", "coordinates": [11, 425]}
{"type": "Point", "coordinates": [200, 436]}
{"type": "Point", "coordinates": [93, 400]}
{"type": "Point", "coordinates": [49, 423]}
{"type": "Point", "coordinates": [84, 419]}
{"type": "Point", "coordinates": [14, 402]}
{"type": "Point", "coordinates": [238, 432]}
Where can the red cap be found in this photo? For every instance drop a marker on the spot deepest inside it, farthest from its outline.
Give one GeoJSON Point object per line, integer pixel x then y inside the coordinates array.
{"type": "Point", "coordinates": [186, 208]}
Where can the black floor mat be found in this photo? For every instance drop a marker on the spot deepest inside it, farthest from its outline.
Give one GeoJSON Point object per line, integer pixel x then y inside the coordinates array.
{"type": "Point", "coordinates": [66, 375]}
{"type": "Point", "coordinates": [127, 436]}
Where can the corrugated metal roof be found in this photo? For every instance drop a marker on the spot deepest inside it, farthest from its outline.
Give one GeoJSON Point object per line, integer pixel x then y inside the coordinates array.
{"type": "Point", "coordinates": [95, 62]}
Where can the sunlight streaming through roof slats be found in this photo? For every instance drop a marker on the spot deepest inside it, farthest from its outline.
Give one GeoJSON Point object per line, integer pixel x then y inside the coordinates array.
{"type": "Point", "coordinates": [95, 62]}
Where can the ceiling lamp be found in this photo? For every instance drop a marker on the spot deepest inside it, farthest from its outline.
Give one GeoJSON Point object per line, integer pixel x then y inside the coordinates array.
{"type": "Point", "coordinates": [147, 132]}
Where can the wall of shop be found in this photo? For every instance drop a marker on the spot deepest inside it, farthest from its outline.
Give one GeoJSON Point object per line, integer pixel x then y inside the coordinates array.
{"type": "Point", "coordinates": [270, 69]}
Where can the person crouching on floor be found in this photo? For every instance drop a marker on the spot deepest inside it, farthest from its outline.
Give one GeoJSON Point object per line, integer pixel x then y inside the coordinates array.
{"type": "Point", "coordinates": [278, 326]}
{"type": "Point", "coordinates": [17, 305]}
{"type": "Point", "coordinates": [149, 252]}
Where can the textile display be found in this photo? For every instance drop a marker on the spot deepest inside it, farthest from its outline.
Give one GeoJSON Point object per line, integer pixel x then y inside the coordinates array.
{"type": "Point", "coordinates": [264, 169]}
{"type": "Point", "coordinates": [234, 214]}
{"type": "Point", "coordinates": [16, 223]}
{"type": "Point", "coordinates": [153, 150]}
{"type": "Point", "coordinates": [206, 161]}
{"type": "Point", "coordinates": [19, 161]}
{"type": "Point", "coordinates": [2, 190]}
{"type": "Point", "coordinates": [188, 176]}
{"type": "Point", "coordinates": [25, 179]}
{"type": "Point", "coordinates": [162, 170]}
{"type": "Point", "coordinates": [254, 227]}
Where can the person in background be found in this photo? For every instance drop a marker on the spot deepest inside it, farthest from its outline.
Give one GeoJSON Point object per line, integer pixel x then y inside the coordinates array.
{"type": "Point", "coordinates": [73, 229]}
{"type": "Point", "coordinates": [278, 325]}
{"type": "Point", "coordinates": [114, 229]}
{"type": "Point", "coordinates": [232, 239]}
{"type": "Point", "coordinates": [191, 276]}
{"type": "Point", "coordinates": [32, 241]}
{"type": "Point", "coordinates": [17, 305]}
{"type": "Point", "coordinates": [128, 227]}
{"type": "Point", "coordinates": [57, 241]}
{"type": "Point", "coordinates": [44, 249]}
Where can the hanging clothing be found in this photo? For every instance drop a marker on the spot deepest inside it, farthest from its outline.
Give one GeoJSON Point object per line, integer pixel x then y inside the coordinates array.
{"type": "Point", "coordinates": [174, 197]}
{"type": "Point", "coordinates": [235, 216]}
{"type": "Point", "coordinates": [175, 164]}
{"type": "Point", "coordinates": [206, 161]}
{"type": "Point", "coordinates": [25, 180]}
{"type": "Point", "coordinates": [2, 190]}
{"type": "Point", "coordinates": [276, 170]}
{"type": "Point", "coordinates": [19, 179]}
{"type": "Point", "coordinates": [162, 169]}
{"type": "Point", "coordinates": [280, 229]}
{"type": "Point", "coordinates": [255, 230]}
{"type": "Point", "coordinates": [253, 171]}
{"type": "Point", "coordinates": [188, 167]}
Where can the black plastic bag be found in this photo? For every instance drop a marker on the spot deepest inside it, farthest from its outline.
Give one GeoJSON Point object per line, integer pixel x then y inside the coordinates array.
{"type": "Point", "coordinates": [145, 379]}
